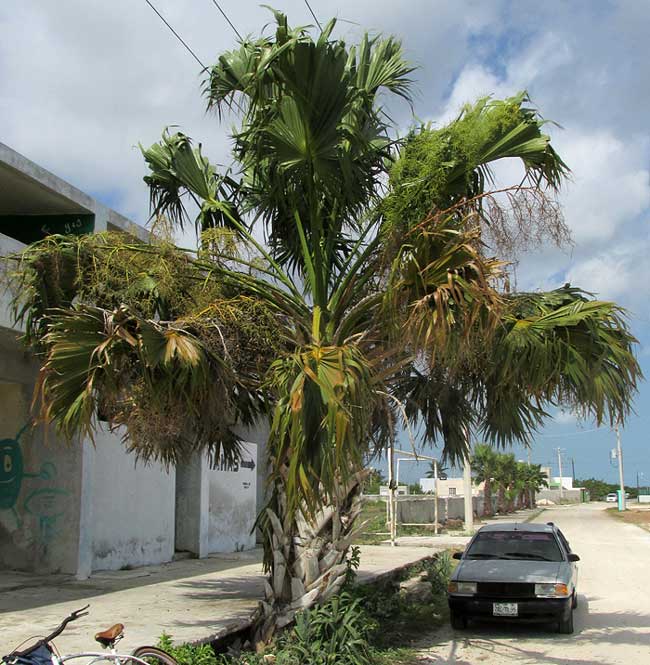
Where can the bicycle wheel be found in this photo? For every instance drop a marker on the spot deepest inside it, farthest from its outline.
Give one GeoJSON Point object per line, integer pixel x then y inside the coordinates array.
{"type": "Point", "coordinates": [153, 656]}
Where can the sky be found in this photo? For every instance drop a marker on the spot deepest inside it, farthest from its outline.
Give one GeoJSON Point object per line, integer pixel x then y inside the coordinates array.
{"type": "Point", "coordinates": [83, 83]}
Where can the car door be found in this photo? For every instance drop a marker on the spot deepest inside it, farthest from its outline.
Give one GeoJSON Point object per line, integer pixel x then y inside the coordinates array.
{"type": "Point", "coordinates": [567, 550]}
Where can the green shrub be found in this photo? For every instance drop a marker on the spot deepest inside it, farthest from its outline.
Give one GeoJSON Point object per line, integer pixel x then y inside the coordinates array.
{"type": "Point", "coordinates": [335, 633]}
{"type": "Point", "coordinates": [190, 654]}
{"type": "Point", "coordinates": [352, 562]}
{"type": "Point", "coordinates": [439, 572]}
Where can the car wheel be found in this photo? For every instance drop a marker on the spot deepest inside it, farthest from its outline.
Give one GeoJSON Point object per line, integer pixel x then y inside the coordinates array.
{"type": "Point", "coordinates": [565, 625]}
{"type": "Point", "coordinates": [574, 600]}
{"type": "Point", "coordinates": [458, 621]}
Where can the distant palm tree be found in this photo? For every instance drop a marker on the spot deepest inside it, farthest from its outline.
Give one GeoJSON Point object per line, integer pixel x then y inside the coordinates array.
{"type": "Point", "coordinates": [534, 480]}
{"type": "Point", "coordinates": [505, 476]}
{"type": "Point", "coordinates": [442, 471]}
{"type": "Point", "coordinates": [484, 467]}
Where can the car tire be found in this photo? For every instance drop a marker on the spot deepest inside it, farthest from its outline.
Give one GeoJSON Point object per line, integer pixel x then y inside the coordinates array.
{"type": "Point", "coordinates": [565, 625]}
{"type": "Point", "coordinates": [458, 621]}
{"type": "Point", "coordinates": [574, 600]}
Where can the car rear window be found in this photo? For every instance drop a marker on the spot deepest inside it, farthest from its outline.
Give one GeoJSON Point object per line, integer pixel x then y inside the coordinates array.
{"type": "Point", "coordinates": [528, 545]}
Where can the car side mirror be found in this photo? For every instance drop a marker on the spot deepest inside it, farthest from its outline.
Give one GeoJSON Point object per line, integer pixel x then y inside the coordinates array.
{"type": "Point", "coordinates": [573, 557]}
{"type": "Point", "coordinates": [457, 555]}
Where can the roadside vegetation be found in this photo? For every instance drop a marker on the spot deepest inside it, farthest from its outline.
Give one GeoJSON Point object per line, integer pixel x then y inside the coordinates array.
{"type": "Point", "coordinates": [509, 486]}
{"type": "Point", "coordinates": [367, 624]}
{"type": "Point", "coordinates": [639, 515]}
{"type": "Point", "coordinates": [514, 483]}
{"type": "Point", "coordinates": [599, 489]}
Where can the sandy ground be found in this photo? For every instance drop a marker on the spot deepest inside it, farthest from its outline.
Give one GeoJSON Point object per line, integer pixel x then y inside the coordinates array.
{"type": "Point", "coordinates": [612, 622]}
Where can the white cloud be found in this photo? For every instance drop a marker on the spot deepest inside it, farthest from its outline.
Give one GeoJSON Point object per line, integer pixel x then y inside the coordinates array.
{"type": "Point", "coordinates": [611, 182]}
{"type": "Point", "coordinates": [566, 417]}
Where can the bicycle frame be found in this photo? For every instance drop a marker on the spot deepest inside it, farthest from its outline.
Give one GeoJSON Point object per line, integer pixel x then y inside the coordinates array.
{"type": "Point", "coordinates": [97, 656]}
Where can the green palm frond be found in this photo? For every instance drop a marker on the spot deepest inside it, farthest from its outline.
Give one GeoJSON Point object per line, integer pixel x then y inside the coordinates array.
{"type": "Point", "coordinates": [172, 393]}
{"type": "Point", "coordinates": [559, 348]}
{"type": "Point", "coordinates": [439, 168]}
{"type": "Point", "coordinates": [313, 141]}
{"type": "Point", "coordinates": [178, 171]}
{"type": "Point", "coordinates": [324, 406]}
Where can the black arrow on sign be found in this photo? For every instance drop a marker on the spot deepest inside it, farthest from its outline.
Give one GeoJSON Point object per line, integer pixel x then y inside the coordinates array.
{"type": "Point", "coordinates": [247, 465]}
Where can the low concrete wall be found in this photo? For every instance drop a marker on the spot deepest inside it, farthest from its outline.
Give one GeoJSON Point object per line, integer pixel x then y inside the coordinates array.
{"type": "Point", "coordinates": [571, 496]}
{"type": "Point", "coordinates": [421, 510]}
{"type": "Point", "coordinates": [132, 508]}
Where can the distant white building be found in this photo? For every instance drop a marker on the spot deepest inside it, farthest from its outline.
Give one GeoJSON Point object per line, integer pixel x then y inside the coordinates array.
{"type": "Point", "coordinates": [566, 482]}
{"type": "Point", "coordinates": [449, 487]}
{"type": "Point", "coordinates": [402, 490]}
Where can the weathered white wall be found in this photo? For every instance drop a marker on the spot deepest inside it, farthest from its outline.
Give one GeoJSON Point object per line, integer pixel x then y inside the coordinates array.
{"type": "Point", "coordinates": [193, 505]}
{"type": "Point", "coordinates": [132, 508]}
{"type": "Point", "coordinates": [233, 504]}
{"type": "Point", "coordinates": [259, 435]}
{"type": "Point", "coordinates": [40, 480]}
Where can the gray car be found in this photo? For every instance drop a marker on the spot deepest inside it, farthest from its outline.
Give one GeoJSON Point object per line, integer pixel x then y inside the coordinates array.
{"type": "Point", "coordinates": [516, 572]}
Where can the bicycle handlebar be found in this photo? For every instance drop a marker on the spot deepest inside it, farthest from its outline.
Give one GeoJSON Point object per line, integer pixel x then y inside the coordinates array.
{"type": "Point", "coordinates": [81, 612]}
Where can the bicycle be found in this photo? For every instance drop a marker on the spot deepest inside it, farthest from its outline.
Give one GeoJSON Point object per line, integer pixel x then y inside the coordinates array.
{"type": "Point", "coordinates": [43, 652]}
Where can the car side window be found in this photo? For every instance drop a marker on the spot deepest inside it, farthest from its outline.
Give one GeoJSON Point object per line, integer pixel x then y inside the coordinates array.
{"type": "Point", "coordinates": [564, 541]}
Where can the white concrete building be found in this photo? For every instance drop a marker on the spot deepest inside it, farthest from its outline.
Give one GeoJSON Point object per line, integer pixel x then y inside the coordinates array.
{"type": "Point", "coordinates": [449, 487]}
{"type": "Point", "coordinates": [80, 508]}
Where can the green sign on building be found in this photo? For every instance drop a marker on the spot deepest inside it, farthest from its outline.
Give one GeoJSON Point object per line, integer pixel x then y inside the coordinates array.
{"type": "Point", "coordinates": [30, 228]}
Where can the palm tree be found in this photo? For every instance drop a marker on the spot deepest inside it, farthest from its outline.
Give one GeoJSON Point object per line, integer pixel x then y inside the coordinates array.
{"type": "Point", "coordinates": [534, 480]}
{"type": "Point", "coordinates": [374, 287]}
{"type": "Point", "coordinates": [441, 469]}
{"type": "Point", "coordinates": [484, 466]}
{"type": "Point", "coordinates": [505, 476]}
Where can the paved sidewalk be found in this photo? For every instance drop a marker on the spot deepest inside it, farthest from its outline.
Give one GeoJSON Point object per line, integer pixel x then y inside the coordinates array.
{"type": "Point", "coordinates": [192, 600]}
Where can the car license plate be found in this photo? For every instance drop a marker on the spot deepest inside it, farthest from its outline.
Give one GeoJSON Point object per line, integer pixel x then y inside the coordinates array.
{"type": "Point", "coordinates": [505, 609]}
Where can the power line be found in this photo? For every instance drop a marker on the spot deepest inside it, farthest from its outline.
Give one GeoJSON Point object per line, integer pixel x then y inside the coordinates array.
{"type": "Point", "coordinates": [561, 436]}
{"type": "Point", "coordinates": [311, 11]}
{"type": "Point", "coordinates": [230, 23]}
{"type": "Point", "coordinates": [180, 39]}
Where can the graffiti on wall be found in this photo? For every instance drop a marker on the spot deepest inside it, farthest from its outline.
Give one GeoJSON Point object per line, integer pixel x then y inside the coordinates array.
{"type": "Point", "coordinates": [46, 504]}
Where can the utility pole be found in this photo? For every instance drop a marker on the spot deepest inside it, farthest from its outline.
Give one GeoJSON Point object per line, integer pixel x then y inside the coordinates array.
{"type": "Point", "coordinates": [559, 463]}
{"type": "Point", "coordinates": [391, 497]}
{"type": "Point", "coordinates": [573, 471]}
{"type": "Point", "coordinates": [469, 501]}
{"type": "Point", "coordinates": [620, 468]}
{"type": "Point", "coordinates": [435, 497]}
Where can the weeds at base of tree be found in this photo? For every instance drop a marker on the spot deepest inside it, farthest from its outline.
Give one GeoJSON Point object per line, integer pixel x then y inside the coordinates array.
{"type": "Point", "coordinates": [385, 622]}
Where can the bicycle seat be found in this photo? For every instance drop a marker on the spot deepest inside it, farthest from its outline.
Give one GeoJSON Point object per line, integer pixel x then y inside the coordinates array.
{"type": "Point", "coordinates": [107, 637]}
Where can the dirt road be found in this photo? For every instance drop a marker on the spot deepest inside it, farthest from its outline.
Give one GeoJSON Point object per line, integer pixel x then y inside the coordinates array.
{"type": "Point", "coordinates": [612, 622]}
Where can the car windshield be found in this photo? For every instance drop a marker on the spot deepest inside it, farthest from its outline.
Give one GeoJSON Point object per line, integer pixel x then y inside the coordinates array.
{"type": "Point", "coordinates": [533, 545]}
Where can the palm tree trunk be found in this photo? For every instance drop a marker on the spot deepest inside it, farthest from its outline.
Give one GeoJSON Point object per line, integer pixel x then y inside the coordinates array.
{"type": "Point", "coordinates": [501, 499]}
{"type": "Point", "coordinates": [487, 499]}
{"type": "Point", "coordinates": [305, 557]}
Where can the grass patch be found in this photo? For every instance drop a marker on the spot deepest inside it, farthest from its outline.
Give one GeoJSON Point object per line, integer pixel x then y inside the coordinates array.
{"type": "Point", "coordinates": [638, 516]}
{"type": "Point", "coordinates": [374, 531]}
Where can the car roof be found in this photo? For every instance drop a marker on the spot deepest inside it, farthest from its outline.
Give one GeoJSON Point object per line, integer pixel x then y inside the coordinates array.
{"type": "Point", "coordinates": [518, 526]}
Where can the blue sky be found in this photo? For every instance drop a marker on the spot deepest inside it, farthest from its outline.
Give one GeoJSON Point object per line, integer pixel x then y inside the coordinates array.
{"type": "Point", "coordinates": [81, 88]}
